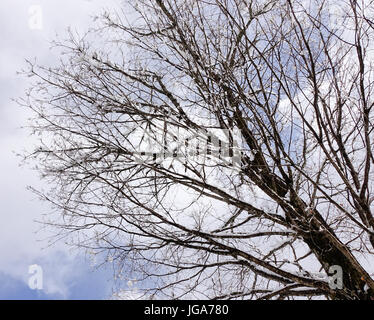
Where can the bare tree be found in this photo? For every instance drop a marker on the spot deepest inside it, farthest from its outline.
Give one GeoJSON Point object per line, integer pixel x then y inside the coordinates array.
{"type": "Point", "coordinates": [142, 123]}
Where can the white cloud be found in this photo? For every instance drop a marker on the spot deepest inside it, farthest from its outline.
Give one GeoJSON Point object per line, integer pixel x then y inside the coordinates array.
{"type": "Point", "coordinates": [20, 246]}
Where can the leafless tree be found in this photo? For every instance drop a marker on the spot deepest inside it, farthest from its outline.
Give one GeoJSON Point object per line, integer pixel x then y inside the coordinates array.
{"type": "Point", "coordinates": [127, 122]}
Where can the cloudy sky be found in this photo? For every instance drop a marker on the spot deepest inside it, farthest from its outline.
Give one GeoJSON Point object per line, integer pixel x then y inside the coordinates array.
{"type": "Point", "coordinates": [26, 27]}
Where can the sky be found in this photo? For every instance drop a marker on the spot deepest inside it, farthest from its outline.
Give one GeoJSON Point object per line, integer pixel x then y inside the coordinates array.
{"type": "Point", "coordinates": [26, 29]}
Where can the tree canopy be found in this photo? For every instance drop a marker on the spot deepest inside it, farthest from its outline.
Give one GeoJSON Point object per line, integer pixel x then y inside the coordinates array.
{"type": "Point", "coordinates": [216, 149]}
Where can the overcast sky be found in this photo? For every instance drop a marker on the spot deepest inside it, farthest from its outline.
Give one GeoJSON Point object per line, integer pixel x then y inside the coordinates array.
{"type": "Point", "coordinates": [66, 274]}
